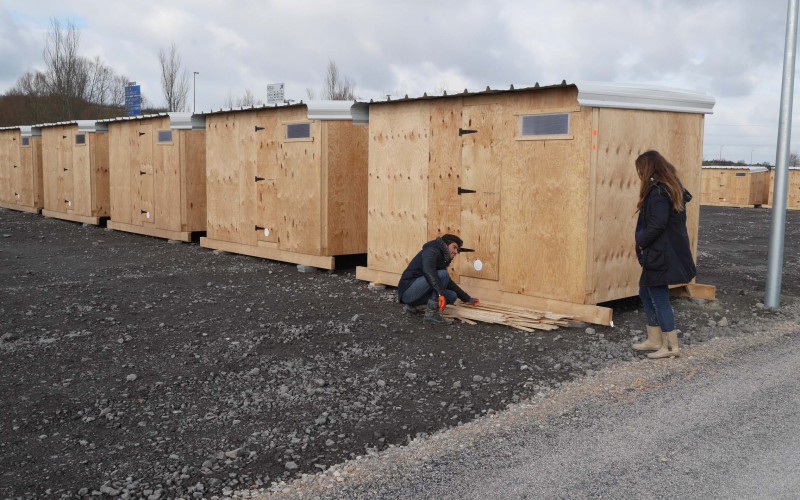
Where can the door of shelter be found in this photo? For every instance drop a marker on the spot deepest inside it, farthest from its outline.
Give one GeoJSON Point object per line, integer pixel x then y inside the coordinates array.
{"type": "Point", "coordinates": [66, 168]}
{"type": "Point", "coordinates": [144, 208]}
{"type": "Point", "coordinates": [480, 191]}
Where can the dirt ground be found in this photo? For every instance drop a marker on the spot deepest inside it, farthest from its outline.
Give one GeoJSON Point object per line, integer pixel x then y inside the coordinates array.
{"type": "Point", "coordinates": [137, 368]}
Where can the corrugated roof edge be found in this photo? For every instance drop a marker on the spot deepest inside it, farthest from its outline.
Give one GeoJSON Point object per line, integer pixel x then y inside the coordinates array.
{"type": "Point", "coordinates": [179, 120]}
{"type": "Point", "coordinates": [89, 126]}
{"type": "Point", "coordinates": [603, 95]}
{"type": "Point", "coordinates": [25, 130]}
{"type": "Point", "coordinates": [751, 168]}
{"type": "Point", "coordinates": [357, 111]}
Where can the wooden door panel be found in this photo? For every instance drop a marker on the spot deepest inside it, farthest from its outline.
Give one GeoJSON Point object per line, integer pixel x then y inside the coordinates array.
{"type": "Point", "coordinates": [480, 194]}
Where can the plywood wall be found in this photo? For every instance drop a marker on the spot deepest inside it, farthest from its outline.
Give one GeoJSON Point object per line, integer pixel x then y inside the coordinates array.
{"type": "Point", "coordinates": [20, 170]}
{"type": "Point", "coordinates": [733, 187]}
{"type": "Point", "coordinates": [792, 189]}
{"type": "Point", "coordinates": [622, 136]}
{"type": "Point", "coordinates": [306, 196]}
{"type": "Point", "coordinates": [399, 151]}
{"type": "Point", "coordinates": [58, 168]}
{"type": "Point", "coordinates": [345, 218]}
{"type": "Point", "coordinates": [157, 185]}
{"type": "Point", "coordinates": [545, 191]}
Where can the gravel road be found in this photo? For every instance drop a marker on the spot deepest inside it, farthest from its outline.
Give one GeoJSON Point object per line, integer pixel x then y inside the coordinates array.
{"type": "Point", "coordinates": [721, 422]}
{"type": "Point", "coordinates": [136, 368]}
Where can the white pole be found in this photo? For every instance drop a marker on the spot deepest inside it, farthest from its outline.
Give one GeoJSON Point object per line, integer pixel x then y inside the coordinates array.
{"type": "Point", "coordinates": [777, 228]}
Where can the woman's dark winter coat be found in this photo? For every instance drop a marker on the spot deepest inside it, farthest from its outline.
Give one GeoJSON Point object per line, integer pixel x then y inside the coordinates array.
{"type": "Point", "coordinates": [662, 242]}
{"type": "Point", "coordinates": [433, 257]}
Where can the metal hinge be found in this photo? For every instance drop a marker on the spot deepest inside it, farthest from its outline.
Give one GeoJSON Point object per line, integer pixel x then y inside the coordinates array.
{"type": "Point", "coordinates": [464, 131]}
{"type": "Point", "coordinates": [463, 191]}
{"type": "Point", "coordinates": [259, 128]}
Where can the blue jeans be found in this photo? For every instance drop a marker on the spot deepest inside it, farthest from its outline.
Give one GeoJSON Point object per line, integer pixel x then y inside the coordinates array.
{"type": "Point", "coordinates": [657, 307]}
{"type": "Point", "coordinates": [421, 291]}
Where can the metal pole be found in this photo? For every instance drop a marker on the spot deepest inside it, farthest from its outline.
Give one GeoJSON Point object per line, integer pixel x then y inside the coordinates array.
{"type": "Point", "coordinates": [194, 91]}
{"type": "Point", "coordinates": [772, 297]}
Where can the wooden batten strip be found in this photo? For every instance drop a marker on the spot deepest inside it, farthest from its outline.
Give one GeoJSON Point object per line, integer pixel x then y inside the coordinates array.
{"type": "Point", "coordinates": [515, 317]}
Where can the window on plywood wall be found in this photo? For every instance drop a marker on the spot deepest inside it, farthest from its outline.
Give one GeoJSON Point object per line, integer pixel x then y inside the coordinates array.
{"type": "Point", "coordinates": [551, 125]}
{"type": "Point", "coordinates": [26, 141]}
{"type": "Point", "coordinates": [80, 139]}
{"type": "Point", "coordinates": [165, 136]}
{"type": "Point", "coordinates": [298, 131]}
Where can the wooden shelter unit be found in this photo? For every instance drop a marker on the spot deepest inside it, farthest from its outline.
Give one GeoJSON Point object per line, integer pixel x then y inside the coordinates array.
{"type": "Point", "coordinates": [158, 175]}
{"type": "Point", "coordinates": [21, 169]}
{"type": "Point", "coordinates": [75, 170]}
{"type": "Point", "coordinates": [539, 182]}
{"type": "Point", "coordinates": [288, 183]}
{"type": "Point", "coordinates": [792, 189]}
{"type": "Point", "coordinates": [735, 186]}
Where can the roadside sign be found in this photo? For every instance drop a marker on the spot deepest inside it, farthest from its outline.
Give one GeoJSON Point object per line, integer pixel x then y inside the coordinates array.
{"type": "Point", "coordinates": [133, 99]}
{"type": "Point", "coordinates": [274, 93]}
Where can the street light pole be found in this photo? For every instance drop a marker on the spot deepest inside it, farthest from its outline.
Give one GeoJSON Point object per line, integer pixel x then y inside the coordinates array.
{"type": "Point", "coordinates": [720, 153]}
{"type": "Point", "coordinates": [194, 91]}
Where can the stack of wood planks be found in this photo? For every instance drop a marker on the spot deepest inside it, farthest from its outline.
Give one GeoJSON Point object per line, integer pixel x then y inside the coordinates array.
{"type": "Point", "coordinates": [527, 320]}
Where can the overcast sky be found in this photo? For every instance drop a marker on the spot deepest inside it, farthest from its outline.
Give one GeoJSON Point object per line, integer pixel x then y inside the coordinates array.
{"type": "Point", "coordinates": [730, 49]}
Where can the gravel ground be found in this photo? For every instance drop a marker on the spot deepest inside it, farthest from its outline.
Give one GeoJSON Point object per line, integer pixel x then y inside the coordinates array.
{"type": "Point", "coordinates": [141, 369]}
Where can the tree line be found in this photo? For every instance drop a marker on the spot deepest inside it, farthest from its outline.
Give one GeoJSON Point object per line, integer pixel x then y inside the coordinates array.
{"type": "Point", "coordinates": [74, 87]}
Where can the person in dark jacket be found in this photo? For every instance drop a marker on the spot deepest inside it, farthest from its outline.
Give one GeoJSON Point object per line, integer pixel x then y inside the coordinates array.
{"type": "Point", "coordinates": [663, 250]}
{"type": "Point", "coordinates": [426, 281]}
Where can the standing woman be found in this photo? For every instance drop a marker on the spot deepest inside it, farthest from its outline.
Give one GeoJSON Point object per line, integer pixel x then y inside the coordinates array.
{"type": "Point", "coordinates": [662, 247]}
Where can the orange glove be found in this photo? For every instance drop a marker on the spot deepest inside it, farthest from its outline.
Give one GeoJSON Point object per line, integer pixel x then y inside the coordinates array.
{"type": "Point", "coordinates": [473, 302]}
{"type": "Point", "coordinates": [442, 302]}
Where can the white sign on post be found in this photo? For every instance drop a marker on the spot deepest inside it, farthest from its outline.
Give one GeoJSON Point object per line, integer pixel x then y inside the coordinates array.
{"type": "Point", "coordinates": [274, 93]}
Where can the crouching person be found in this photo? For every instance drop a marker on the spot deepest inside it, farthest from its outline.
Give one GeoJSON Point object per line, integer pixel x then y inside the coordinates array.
{"type": "Point", "coordinates": [426, 281]}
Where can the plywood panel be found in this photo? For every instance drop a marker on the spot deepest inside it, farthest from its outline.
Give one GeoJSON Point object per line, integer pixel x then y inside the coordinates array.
{"type": "Point", "coordinates": [167, 177]}
{"type": "Point", "coordinates": [622, 136]}
{"type": "Point", "coordinates": [248, 196]}
{"type": "Point", "coordinates": [267, 167]}
{"type": "Point", "coordinates": [398, 184]}
{"type": "Point", "coordinates": [346, 189]}
{"type": "Point", "coordinates": [82, 174]}
{"type": "Point", "coordinates": [121, 166]}
{"type": "Point", "coordinates": [143, 181]}
{"type": "Point", "coordinates": [544, 229]}
{"type": "Point", "coordinates": [193, 165]}
{"type": "Point", "coordinates": [101, 191]}
{"type": "Point", "coordinates": [22, 188]}
{"type": "Point", "coordinates": [222, 178]}
{"type": "Point", "coordinates": [51, 169]}
{"type": "Point", "coordinates": [8, 141]}
{"type": "Point", "coordinates": [732, 187]}
{"type": "Point", "coordinates": [481, 172]}
{"type": "Point", "coordinates": [299, 194]}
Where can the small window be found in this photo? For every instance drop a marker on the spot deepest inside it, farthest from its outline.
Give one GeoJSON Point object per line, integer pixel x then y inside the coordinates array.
{"type": "Point", "coordinates": [544, 125]}
{"type": "Point", "coordinates": [741, 174]}
{"type": "Point", "coordinates": [80, 139]}
{"type": "Point", "coordinates": [298, 131]}
{"type": "Point", "coordinates": [164, 136]}
{"type": "Point", "coordinates": [26, 141]}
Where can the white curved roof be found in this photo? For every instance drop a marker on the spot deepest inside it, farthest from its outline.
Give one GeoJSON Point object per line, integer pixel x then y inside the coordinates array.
{"type": "Point", "coordinates": [177, 120]}
{"type": "Point", "coordinates": [752, 168]}
{"type": "Point", "coordinates": [647, 97]}
{"type": "Point", "coordinates": [89, 126]}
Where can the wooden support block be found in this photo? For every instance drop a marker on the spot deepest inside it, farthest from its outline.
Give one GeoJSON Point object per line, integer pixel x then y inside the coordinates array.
{"type": "Point", "coordinates": [269, 252]}
{"type": "Point", "coordinates": [94, 221]}
{"type": "Point", "coordinates": [183, 236]}
{"type": "Point", "coordinates": [695, 291]}
{"type": "Point", "coordinates": [21, 208]}
{"type": "Point", "coordinates": [380, 277]}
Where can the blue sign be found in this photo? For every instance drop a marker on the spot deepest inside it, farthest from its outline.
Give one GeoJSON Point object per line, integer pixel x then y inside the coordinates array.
{"type": "Point", "coordinates": [133, 100]}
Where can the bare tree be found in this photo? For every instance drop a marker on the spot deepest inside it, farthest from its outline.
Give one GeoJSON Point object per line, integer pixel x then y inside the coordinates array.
{"type": "Point", "coordinates": [337, 88]}
{"type": "Point", "coordinates": [65, 74]}
{"type": "Point", "coordinates": [174, 79]}
{"type": "Point", "coordinates": [248, 99]}
{"type": "Point", "coordinates": [794, 160]}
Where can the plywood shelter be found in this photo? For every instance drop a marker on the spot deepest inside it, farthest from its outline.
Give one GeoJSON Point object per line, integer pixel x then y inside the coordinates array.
{"type": "Point", "coordinates": [288, 183]}
{"type": "Point", "coordinates": [75, 171]}
{"type": "Point", "coordinates": [792, 189]}
{"type": "Point", "coordinates": [735, 186]}
{"type": "Point", "coordinates": [21, 169]}
{"type": "Point", "coordinates": [158, 175]}
{"type": "Point", "coordinates": [539, 182]}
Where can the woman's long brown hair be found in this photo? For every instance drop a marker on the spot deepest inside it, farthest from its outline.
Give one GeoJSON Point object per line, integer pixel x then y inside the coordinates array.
{"type": "Point", "coordinates": [652, 167]}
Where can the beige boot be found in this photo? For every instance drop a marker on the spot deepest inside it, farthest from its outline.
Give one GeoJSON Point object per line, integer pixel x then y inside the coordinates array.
{"type": "Point", "coordinates": [670, 349]}
{"type": "Point", "coordinates": [653, 342]}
